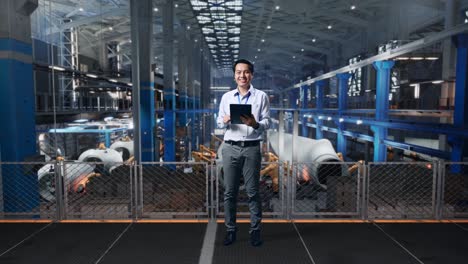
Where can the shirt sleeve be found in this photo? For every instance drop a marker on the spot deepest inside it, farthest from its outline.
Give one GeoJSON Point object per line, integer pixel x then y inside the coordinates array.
{"type": "Point", "coordinates": [264, 119]}
{"type": "Point", "coordinates": [219, 121]}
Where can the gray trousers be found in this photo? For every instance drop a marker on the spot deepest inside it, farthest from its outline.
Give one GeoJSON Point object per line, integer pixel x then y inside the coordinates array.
{"type": "Point", "coordinates": [242, 161]}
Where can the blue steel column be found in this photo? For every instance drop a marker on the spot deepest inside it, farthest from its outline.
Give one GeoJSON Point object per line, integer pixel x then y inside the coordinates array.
{"type": "Point", "coordinates": [169, 89]}
{"type": "Point", "coordinates": [319, 97]}
{"type": "Point", "coordinates": [182, 75]}
{"type": "Point", "coordinates": [342, 106]}
{"type": "Point", "coordinates": [381, 107]}
{"type": "Point", "coordinates": [17, 107]}
{"type": "Point", "coordinates": [305, 99]}
{"type": "Point", "coordinates": [460, 116]}
{"type": "Point", "coordinates": [143, 80]}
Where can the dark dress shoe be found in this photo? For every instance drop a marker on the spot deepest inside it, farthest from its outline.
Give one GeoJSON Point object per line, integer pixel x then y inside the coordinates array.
{"type": "Point", "coordinates": [255, 239]}
{"type": "Point", "coordinates": [229, 238]}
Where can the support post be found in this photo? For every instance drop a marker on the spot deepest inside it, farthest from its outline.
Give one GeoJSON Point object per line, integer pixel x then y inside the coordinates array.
{"type": "Point", "coordinates": [319, 97]}
{"type": "Point", "coordinates": [383, 69]}
{"type": "Point", "coordinates": [342, 106]}
{"type": "Point", "coordinates": [169, 89]}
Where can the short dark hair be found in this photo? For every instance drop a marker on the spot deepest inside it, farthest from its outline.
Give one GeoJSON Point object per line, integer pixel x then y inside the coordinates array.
{"type": "Point", "coordinates": [244, 61]}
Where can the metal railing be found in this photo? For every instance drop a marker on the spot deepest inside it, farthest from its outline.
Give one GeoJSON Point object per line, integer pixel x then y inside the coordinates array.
{"type": "Point", "coordinates": [190, 190]}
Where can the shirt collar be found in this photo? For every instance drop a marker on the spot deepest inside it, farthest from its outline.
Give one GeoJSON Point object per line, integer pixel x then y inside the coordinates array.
{"type": "Point", "coordinates": [251, 91]}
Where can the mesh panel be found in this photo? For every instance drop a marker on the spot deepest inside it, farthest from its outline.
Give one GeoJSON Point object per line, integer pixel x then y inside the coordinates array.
{"type": "Point", "coordinates": [27, 190]}
{"type": "Point", "coordinates": [455, 190]}
{"type": "Point", "coordinates": [174, 190]}
{"type": "Point", "coordinates": [401, 190]}
{"type": "Point", "coordinates": [97, 190]}
{"type": "Point", "coordinates": [326, 189]}
{"type": "Point", "coordinates": [272, 192]}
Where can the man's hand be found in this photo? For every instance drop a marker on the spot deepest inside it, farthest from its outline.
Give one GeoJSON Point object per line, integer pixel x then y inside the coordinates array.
{"type": "Point", "coordinates": [226, 119]}
{"type": "Point", "coordinates": [249, 120]}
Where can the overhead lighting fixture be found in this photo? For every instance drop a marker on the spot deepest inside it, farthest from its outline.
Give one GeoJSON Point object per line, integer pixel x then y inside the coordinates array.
{"type": "Point", "coordinates": [155, 9]}
{"type": "Point", "coordinates": [329, 118]}
{"type": "Point", "coordinates": [432, 58]}
{"type": "Point", "coordinates": [302, 50]}
{"type": "Point", "coordinates": [57, 68]}
{"type": "Point", "coordinates": [259, 50]}
{"type": "Point", "coordinates": [416, 58]}
{"type": "Point", "coordinates": [111, 28]}
{"type": "Point", "coordinates": [314, 40]}
{"type": "Point", "coordinates": [268, 27]}
{"type": "Point", "coordinates": [341, 120]}
{"type": "Point", "coordinates": [176, 5]}
{"type": "Point", "coordinates": [113, 80]}
{"type": "Point", "coordinates": [293, 57]}
{"type": "Point", "coordinates": [358, 122]}
{"type": "Point", "coordinates": [263, 40]}
{"type": "Point", "coordinates": [81, 9]}
{"type": "Point", "coordinates": [320, 117]}
{"type": "Point", "coordinates": [353, 7]}
{"type": "Point", "coordinates": [329, 27]}
{"type": "Point", "coordinates": [438, 81]}
{"type": "Point", "coordinates": [130, 84]}
{"type": "Point", "coordinates": [255, 56]}
{"type": "Point", "coordinates": [188, 27]}
{"type": "Point", "coordinates": [91, 75]}
{"type": "Point", "coordinates": [402, 58]}
{"type": "Point", "coordinates": [277, 7]}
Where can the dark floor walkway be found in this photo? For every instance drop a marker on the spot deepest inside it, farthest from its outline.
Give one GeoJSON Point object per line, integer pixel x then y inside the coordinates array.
{"type": "Point", "coordinates": [173, 243]}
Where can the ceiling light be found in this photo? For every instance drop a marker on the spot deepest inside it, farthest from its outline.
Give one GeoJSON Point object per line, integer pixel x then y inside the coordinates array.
{"type": "Point", "coordinates": [417, 58]}
{"type": "Point", "coordinates": [358, 122]}
{"type": "Point", "coordinates": [196, 40]}
{"type": "Point", "coordinates": [259, 50]}
{"type": "Point", "coordinates": [111, 28]}
{"type": "Point", "coordinates": [255, 56]}
{"type": "Point", "coordinates": [341, 120]}
{"type": "Point", "coordinates": [81, 9]}
{"type": "Point", "coordinates": [329, 118]}
{"type": "Point", "coordinates": [277, 7]}
{"type": "Point", "coordinates": [113, 80]}
{"type": "Point", "coordinates": [91, 75]}
{"type": "Point", "coordinates": [57, 68]}
{"type": "Point", "coordinates": [353, 7]}
{"type": "Point", "coordinates": [302, 50]}
{"type": "Point", "coordinates": [155, 9]}
{"type": "Point", "coordinates": [130, 84]}
{"type": "Point", "coordinates": [438, 81]}
{"type": "Point", "coordinates": [263, 40]}
{"type": "Point", "coordinates": [432, 58]}
{"type": "Point", "coordinates": [188, 27]}
{"type": "Point", "coordinates": [402, 58]}
{"type": "Point", "coordinates": [294, 57]}
{"type": "Point", "coordinates": [268, 27]}
{"type": "Point", "coordinates": [176, 5]}
{"type": "Point", "coordinates": [313, 40]}
{"type": "Point", "coordinates": [329, 27]}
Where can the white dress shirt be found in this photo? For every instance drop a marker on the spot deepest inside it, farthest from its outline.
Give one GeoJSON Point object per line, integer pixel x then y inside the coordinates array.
{"type": "Point", "coordinates": [260, 110]}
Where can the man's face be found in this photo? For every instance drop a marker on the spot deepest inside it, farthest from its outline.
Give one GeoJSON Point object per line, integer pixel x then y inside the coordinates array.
{"type": "Point", "coordinates": [242, 75]}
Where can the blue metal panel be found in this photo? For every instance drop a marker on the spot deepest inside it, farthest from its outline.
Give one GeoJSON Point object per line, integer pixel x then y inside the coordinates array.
{"type": "Point", "coordinates": [319, 96]}
{"type": "Point", "coordinates": [381, 107]}
{"type": "Point", "coordinates": [460, 116]}
{"type": "Point", "coordinates": [169, 126]}
{"type": "Point", "coordinates": [18, 140]}
{"type": "Point", "coordinates": [147, 122]}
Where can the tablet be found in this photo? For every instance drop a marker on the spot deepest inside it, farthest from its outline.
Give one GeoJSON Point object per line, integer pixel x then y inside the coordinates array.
{"type": "Point", "coordinates": [237, 110]}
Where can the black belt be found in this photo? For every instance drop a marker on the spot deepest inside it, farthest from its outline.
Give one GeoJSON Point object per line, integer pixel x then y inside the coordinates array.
{"type": "Point", "coordinates": [243, 143]}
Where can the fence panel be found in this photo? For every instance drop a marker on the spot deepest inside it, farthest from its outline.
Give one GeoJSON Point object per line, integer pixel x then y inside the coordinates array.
{"type": "Point", "coordinates": [326, 190]}
{"type": "Point", "coordinates": [174, 190]}
{"type": "Point", "coordinates": [454, 186]}
{"type": "Point", "coordinates": [27, 190]}
{"type": "Point", "coordinates": [97, 190]}
{"type": "Point", "coordinates": [272, 192]}
{"type": "Point", "coordinates": [401, 190]}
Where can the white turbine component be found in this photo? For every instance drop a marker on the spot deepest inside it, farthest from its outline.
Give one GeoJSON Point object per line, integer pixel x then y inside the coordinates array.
{"type": "Point", "coordinates": [125, 148]}
{"type": "Point", "coordinates": [71, 172]}
{"type": "Point", "coordinates": [308, 151]}
{"type": "Point", "coordinates": [109, 157]}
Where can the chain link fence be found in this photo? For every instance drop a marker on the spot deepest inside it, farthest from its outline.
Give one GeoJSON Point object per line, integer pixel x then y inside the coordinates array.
{"type": "Point", "coordinates": [184, 190]}
{"type": "Point", "coordinates": [454, 190]}
{"type": "Point", "coordinates": [401, 190]}
{"type": "Point", "coordinates": [174, 190]}
{"type": "Point", "coordinates": [96, 190]}
{"type": "Point", "coordinates": [272, 192]}
{"type": "Point", "coordinates": [326, 190]}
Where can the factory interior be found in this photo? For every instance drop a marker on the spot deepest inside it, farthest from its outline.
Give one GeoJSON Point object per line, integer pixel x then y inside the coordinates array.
{"type": "Point", "coordinates": [112, 153]}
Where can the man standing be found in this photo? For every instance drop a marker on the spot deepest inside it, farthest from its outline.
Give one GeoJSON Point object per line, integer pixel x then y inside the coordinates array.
{"type": "Point", "coordinates": [241, 150]}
